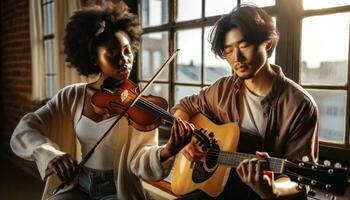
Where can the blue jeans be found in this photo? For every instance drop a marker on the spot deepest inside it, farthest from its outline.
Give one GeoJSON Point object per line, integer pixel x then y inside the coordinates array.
{"type": "Point", "coordinates": [93, 184]}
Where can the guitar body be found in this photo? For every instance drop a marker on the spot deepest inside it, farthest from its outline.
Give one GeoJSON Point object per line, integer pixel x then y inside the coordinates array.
{"type": "Point", "coordinates": [210, 179]}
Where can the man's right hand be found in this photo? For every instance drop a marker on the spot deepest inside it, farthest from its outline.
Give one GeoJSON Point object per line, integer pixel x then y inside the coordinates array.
{"type": "Point", "coordinates": [193, 152]}
{"type": "Point", "coordinates": [64, 166]}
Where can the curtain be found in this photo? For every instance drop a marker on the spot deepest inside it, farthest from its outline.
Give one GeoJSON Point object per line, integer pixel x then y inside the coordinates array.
{"type": "Point", "coordinates": [37, 50]}
{"type": "Point", "coordinates": [65, 75]}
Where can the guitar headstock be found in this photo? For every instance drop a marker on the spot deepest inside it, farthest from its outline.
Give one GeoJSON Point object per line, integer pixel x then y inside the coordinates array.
{"type": "Point", "coordinates": [324, 177]}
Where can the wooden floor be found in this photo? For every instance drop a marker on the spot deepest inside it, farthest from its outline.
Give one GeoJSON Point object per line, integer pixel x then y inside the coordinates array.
{"type": "Point", "coordinates": [16, 183]}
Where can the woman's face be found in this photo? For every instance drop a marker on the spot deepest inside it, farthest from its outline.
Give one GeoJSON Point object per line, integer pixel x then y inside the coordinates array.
{"type": "Point", "coordinates": [115, 59]}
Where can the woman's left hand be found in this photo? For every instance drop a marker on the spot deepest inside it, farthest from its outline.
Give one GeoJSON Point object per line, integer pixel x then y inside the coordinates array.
{"type": "Point", "coordinates": [251, 172]}
{"type": "Point", "coordinates": [180, 136]}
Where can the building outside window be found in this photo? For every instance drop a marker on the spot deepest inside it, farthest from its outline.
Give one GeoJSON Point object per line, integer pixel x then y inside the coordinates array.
{"type": "Point", "coordinates": [314, 39]}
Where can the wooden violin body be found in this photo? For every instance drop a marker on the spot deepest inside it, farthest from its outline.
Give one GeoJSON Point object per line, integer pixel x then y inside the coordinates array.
{"type": "Point", "coordinates": [140, 115]}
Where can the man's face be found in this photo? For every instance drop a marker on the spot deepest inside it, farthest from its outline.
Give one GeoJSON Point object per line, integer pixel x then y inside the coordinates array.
{"type": "Point", "coordinates": [244, 58]}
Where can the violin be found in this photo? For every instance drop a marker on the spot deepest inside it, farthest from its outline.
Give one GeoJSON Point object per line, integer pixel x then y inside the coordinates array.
{"type": "Point", "coordinates": [146, 114]}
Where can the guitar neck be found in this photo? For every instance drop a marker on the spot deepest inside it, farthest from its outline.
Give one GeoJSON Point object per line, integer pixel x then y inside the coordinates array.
{"type": "Point", "coordinates": [234, 158]}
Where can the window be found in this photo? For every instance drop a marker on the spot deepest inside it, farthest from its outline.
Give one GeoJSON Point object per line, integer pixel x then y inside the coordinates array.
{"type": "Point", "coordinates": [49, 49]}
{"type": "Point", "coordinates": [324, 67]}
{"type": "Point", "coordinates": [168, 27]}
{"type": "Point", "coordinates": [313, 50]}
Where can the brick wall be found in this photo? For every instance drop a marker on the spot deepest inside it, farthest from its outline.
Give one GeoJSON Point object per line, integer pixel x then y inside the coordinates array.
{"type": "Point", "coordinates": [16, 78]}
{"type": "Point", "coordinates": [15, 62]}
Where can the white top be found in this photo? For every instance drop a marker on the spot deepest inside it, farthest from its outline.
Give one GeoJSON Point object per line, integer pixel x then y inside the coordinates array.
{"type": "Point", "coordinates": [89, 132]}
{"type": "Point", "coordinates": [251, 113]}
{"type": "Point", "coordinates": [50, 131]}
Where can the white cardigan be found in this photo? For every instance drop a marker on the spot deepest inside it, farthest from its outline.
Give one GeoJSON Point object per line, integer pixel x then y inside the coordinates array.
{"type": "Point", "coordinates": [49, 131]}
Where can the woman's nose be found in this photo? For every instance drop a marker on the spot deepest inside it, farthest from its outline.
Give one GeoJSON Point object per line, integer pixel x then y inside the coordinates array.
{"type": "Point", "coordinates": [123, 59]}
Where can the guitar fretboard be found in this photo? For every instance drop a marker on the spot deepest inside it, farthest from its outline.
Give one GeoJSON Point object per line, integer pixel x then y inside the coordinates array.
{"type": "Point", "coordinates": [234, 158]}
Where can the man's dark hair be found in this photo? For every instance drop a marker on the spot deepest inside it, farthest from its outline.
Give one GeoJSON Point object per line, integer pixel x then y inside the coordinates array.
{"type": "Point", "coordinates": [254, 23]}
{"type": "Point", "coordinates": [94, 26]}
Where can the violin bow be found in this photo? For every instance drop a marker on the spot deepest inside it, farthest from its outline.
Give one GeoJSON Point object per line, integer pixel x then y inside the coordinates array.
{"type": "Point", "coordinates": [92, 150]}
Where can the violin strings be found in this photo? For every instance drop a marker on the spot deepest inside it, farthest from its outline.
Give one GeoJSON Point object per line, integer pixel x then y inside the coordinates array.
{"type": "Point", "coordinates": [153, 107]}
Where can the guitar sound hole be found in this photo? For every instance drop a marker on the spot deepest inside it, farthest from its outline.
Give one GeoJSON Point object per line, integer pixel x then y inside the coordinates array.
{"type": "Point", "coordinates": [199, 174]}
{"type": "Point", "coordinates": [212, 156]}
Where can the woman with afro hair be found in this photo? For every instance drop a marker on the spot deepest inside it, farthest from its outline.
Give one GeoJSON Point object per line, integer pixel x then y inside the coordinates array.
{"type": "Point", "coordinates": [102, 41]}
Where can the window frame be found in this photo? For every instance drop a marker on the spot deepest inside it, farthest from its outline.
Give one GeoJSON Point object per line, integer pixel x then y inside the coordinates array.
{"type": "Point", "coordinates": [289, 16]}
{"type": "Point", "coordinates": [48, 91]}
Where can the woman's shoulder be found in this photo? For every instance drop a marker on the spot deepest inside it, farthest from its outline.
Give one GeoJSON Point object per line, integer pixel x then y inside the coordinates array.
{"type": "Point", "coordinates": [73, 88]}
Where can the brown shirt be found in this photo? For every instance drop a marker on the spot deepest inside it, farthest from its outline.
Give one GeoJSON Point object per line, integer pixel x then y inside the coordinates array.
{"type": "Point", "coordinates": [291, 112]}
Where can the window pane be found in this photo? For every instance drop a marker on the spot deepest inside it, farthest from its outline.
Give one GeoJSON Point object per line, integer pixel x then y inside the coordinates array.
{"type": "Point", "coordinates": [157, 89]}
{"type": "Point", "coordinates": [182, 91]}
{"type": "Point", "coordinates": [189, 58]}
{"type": "Point", "coordinates": [154, 12]}
{"type": "Point", "coordinates": [214, 67]}
{"type": "Point", "coordinates": [50, 86]}
{"type": "Point", "coordinates": [313, 4]}
{"type": "Point", "coordinates": [154, 52]}
{"type": "Point", "coordinates": [212, 7]}
{"type": "Point", "coordinates": [49, 57]}
{"type": "Point", "coordinates": [260, 3]}
{"type": "Point", "coordinates": [48, 18]}
{"type": "Point", "coordinates": [187, 10]}
{"type": "Point", "coordinates": [325, 59]}
{"type": "Point", "coordinates": [332, 107]}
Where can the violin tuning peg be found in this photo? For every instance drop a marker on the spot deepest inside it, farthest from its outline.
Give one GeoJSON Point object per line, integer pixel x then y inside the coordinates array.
{"type": "Point", "coordinates": [337, 165]}
{"type": "Point", "coordinates": [305, 159]}
{"type": "Point", "coordinates": [327, 163]}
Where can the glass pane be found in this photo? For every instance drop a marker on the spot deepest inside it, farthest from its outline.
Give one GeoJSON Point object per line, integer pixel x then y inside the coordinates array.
{"type": "Point", "coordinates": [157, 89]}
{"type": "Point", "coordinates": [214, 67]}
{"type": "Point", "coordinates": [50, 86]}
{"type": "Point", "coordinates": [48, 16]}
{"type": "Point", "coordinates": [183, 91]}
{"type": "Point", "coordinates": [332, 107]}
{"type": "Point", "coordinates": [188, 10]}
{"type": "Point", "coordinates": [153, 54]}
{"type": "Point", "coordinates": [49, 57]}
{"type": "Point", "coordinates": [325, 59]}
{"type": "Point", "coordinates": [318, 4]}
{"type": "Point", "coordinates": [189, 58]}
{"type": "Point", "coordinates": [260, 3]}
{"type": "Point", "coordinates": [212, 7]}
{"type": "Point", "coordinates": [154, 12]}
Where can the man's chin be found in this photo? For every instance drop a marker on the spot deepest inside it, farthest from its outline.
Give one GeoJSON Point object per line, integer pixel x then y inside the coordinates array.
{"type": "Point", "coordinates": [245, 76]}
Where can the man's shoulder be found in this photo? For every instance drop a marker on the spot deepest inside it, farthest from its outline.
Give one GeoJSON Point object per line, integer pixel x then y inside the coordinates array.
{"type": "Point", "coordinates": [297, 93]}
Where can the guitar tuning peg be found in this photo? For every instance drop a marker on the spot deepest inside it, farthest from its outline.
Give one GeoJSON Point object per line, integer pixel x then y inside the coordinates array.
{"type": "Point", "coordinates": [337, 165]}
{"type": "Point", "coordinates": [211, 134]}
{"type": "Point", "coordinates": [305, 159]}
{"type": "Point", "coordinates": [311, 192]}
{"type": "Point", "coordinates": [204, 148]}
{"type": "Point", "coordinates": [327, 163]}
{"type": "Point", "coordinates": [313, 182]}
{"type": "Point", "coordinates": [328, 186]}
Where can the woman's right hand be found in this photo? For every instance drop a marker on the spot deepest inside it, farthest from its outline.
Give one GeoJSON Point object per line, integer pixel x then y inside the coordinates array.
{"type": "Point", "coordinates": [64, 166]}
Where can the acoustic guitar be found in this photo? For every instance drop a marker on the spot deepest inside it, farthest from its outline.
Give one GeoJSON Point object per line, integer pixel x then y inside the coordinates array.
{"type": "Point", "coordinates": [211, 174]}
